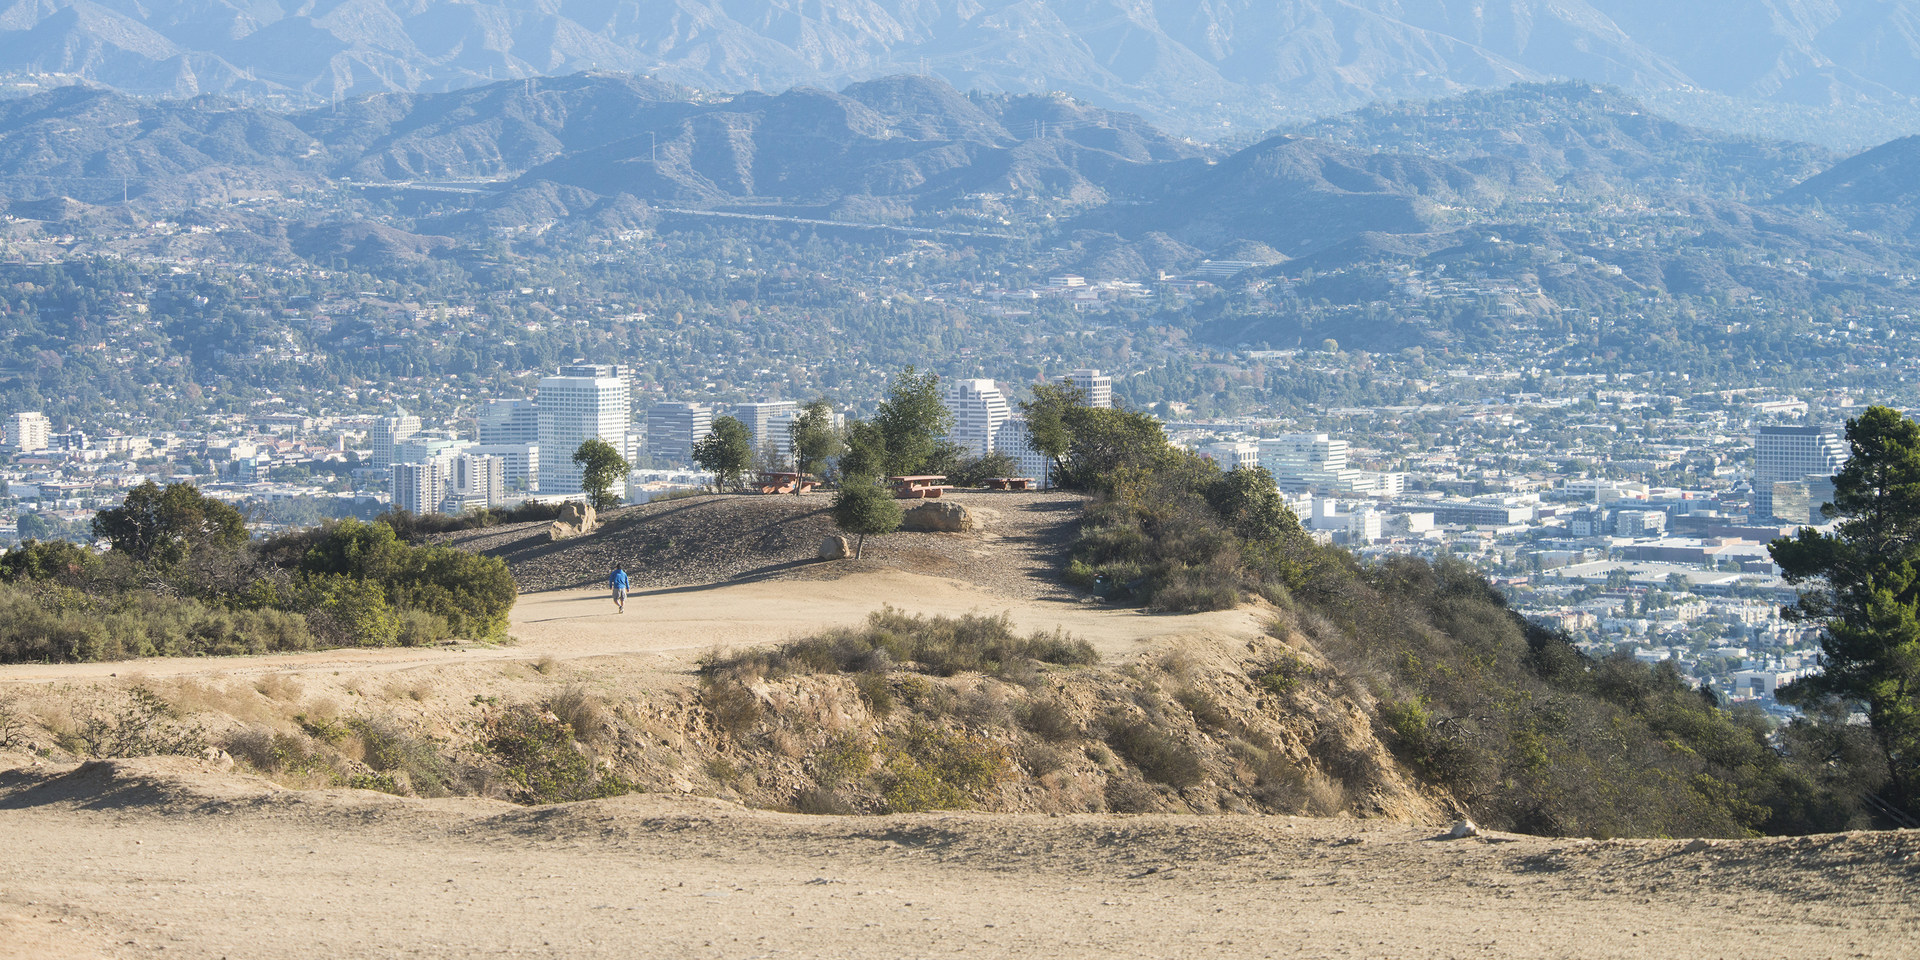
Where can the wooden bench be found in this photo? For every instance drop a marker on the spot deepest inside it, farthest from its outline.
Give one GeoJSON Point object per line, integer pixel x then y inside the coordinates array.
{"type": "Point", "coordinates": [927, 487]}
{"type": "Point", "coordinates": [1010, 483]}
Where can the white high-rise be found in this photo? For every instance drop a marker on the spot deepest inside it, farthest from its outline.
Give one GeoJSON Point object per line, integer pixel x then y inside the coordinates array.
{"type": "Point", "coordinates": [1016, 441]}
{"type": "Point", "coordinates": [1096, 388]}
{"type": "Point", "coordinates": [585, 402]}
{"type": "Point", "coordinates": [29, 432]}
{"type": "Point", "coordinates": [979, 411]}
{"type": "Point", "coordinates": [389, 432]}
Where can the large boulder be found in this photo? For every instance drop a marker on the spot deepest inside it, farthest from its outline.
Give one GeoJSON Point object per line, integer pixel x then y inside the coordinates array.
{"type": "Point", "coordinates": [835, 548]}
{"type": "Point", "coordinates": [575, 519]}
{"type": "Point", "coordinates": [937, 517]}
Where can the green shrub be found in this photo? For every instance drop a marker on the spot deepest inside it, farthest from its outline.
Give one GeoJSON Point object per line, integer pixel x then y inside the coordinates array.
{"type": "Point", "coordinates": [942, 646]}
{"type": "Point", "coordinates": [931, 768]}
{"type": "Point", "coordinates": [536, 756]}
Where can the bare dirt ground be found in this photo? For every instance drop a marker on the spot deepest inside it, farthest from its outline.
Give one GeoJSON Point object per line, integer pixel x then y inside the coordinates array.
{"type": "Point", "coordinates": [157, 858]}
{"type": "Point", "coordinates": [191, 858]}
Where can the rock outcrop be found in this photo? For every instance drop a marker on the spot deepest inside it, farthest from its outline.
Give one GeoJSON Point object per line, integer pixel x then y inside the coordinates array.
{"type": "Point", "coordinates": [938, 517]}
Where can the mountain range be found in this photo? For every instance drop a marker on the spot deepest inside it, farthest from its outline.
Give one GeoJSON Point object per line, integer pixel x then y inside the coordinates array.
{"type": "Point", "coordinates": [1842, 71]}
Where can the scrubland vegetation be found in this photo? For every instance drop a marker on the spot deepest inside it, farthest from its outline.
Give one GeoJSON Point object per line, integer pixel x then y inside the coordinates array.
{"type": "Point", "coordinates": [183, 580]}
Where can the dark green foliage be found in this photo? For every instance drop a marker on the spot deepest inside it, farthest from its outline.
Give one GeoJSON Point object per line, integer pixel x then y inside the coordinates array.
{"type": "Point", "coordinates": [1532, 735]}
{"type": "Point", "coordinates": [726, 452]}
{"type": "Point", "coordinates": [1185, 536]}
{"type": "Point", "coordinates": [976, 471]}
{"type": "Point", "coordinates": [347, 584]}
{"type": "Point", "coordinates": [415, 528]}
{"type": "Point", "coordinates": [536, 755]}
{"type": "Point", "coordinates": [864, 459]}
{"type": "Point", "coordinates": [910, 422]}
{"type": "Point", "coordinates": [1090, 445]}
{"type": "Point", "coordinates": [1863, 583]}
{"type": "Point", "coordinates": [47, 560]}
{"type": "Point", "coordinates": [864, 508]}
{"type": "Point", "coordinates": [942, 646]}
{"type": "Point", "coordinates": [601, 466]}
{"type": "Point", "coordinates": [162, 526]}
{"type": "Point", "coordinates": [474, 594]}
{"type": "Point", "coordinates": [52, 623]}
{"type": "Point", "coordinates": [814, 440]}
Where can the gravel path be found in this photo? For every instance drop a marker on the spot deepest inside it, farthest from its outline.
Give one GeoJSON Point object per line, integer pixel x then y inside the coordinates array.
{"type": "Point", "coordinates": [1017, 550]}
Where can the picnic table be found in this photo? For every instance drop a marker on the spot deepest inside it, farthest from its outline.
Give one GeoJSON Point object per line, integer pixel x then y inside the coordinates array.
{"type": "Point", "coordinates": [926, 487]}
{"type": "Point", "coordinates": [1010, 483]}
{"type": "Point", "coordinates": [794, 483]}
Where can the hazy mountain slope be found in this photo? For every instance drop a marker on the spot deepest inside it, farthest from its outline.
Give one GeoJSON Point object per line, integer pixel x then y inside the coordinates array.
{"type": "Point", "coordinates": [1573, 138]}
{"type": "Point", "coordinates": [1192, 67]}
{"type": "Point", "coordinates": [1876, 190]}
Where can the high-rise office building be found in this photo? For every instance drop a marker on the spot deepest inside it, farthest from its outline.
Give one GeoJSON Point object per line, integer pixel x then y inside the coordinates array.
{"type": "Point", "coordinates": [477, 480]}
{"type": "Point", "coordinates": [508, 421]}
{"type": "Point", "coordinates": [979, 411]}
{"type": "Point", "coordinates": [585, 402]}
{"type": "Point", "coordinates": [1792, 454]}
{"type": "Point", "coordinates": [767, 423]}
{"type": "Point", "coordinates": [1096, 387]}
{"type": "Point", "coordinates": [673, 429]}
{"type": "Point", "coordinates": [29, 432]}
{"type": "Point", "coordinates": [389, 432]}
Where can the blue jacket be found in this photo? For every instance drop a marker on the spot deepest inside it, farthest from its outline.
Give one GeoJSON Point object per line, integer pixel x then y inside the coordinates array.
{"type": "Point", "coordinates": [618, 580]}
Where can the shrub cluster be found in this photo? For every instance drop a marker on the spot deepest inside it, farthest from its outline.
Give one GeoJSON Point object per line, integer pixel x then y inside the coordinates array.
{"type": "Point", "coordinates": [343, 584]}
{"type": "Point", "coordinates": [1535, 736]}
{"type": "Point", "coordinates": [942, 646]}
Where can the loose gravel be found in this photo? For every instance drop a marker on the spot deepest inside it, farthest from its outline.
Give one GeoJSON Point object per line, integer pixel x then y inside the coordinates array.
{"type": "Point", "coordinates": [1017, 549]}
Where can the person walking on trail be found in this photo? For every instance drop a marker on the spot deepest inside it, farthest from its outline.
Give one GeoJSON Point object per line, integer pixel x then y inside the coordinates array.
{"type": "Point", "coordinates": [618, 581]}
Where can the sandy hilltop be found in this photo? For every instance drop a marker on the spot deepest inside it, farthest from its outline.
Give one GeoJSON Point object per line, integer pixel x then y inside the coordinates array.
{"type": "Point", "coordinates": [253, 843]}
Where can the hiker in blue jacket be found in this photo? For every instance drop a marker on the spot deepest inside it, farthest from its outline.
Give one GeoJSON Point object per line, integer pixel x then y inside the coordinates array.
{"type": "Point", "coordinates": [618, 581]}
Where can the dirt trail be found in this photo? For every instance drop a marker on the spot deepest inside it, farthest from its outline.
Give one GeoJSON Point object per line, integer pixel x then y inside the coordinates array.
{"type": "Point", "coordinates": [679, 623]}
{"type": "Point", "coordinates": [155, 858]}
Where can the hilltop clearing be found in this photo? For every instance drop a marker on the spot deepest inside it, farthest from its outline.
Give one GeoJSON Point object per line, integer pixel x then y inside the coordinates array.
{"type": "Point", "coordinates": [132, 858]}
{"type": "Point", "coordinates": [700, 540]}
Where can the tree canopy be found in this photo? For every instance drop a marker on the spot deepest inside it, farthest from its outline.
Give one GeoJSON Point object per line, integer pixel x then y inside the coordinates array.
{"type": "Point", "coordinates": [814, 439]}
{"type": "Point", "coordinates": [601, 466]}
{"type": "Point", "coordinates": [863, 508]}
{"type": "Point", "coordinates": [911, 421]}
{"type": "Point", "coordinates": [161, 526]}
{"type": "Point", "coordinates": [1863, 583]}
{"type": "Point", "coordinates": [726, 452]}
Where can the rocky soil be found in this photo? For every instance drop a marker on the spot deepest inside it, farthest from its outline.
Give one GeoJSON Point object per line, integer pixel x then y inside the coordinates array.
{"type": "Point", "coordinates": [1015, 549]}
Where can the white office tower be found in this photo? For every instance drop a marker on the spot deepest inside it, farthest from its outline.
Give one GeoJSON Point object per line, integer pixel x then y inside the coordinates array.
{"type": "Point", "coordinates": [767, 424]}
{"type": "Point", "coordinates": [585, 402]}
{"type": "Point", "coordinates": [29, 432]}
{"type": "Point", "coordinates": [979, 411]}
{"type": "Point", "coordinates": [1016, 441]}
{"type": "Point", "coordinates": [427, 445]}
{"type": "Point", "coordinates": [389, 432]}
{"type": "Point", "coordinates": [1316, 462]}
{"type": "Point", "coordinates": [475, 481]}
{"type": "Point", "coordinates": [673, 429]}
{"type": "Point", "coordinates": [519, 464]}
{"type": "Point", "coordinates": [419, 487]}
{"type": "Point", "coordinates": [508, 421]}
{"type": "Point", "coordinates": [1792, 453]}
{"type": "Point", "coordinates": [1095, 388]}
